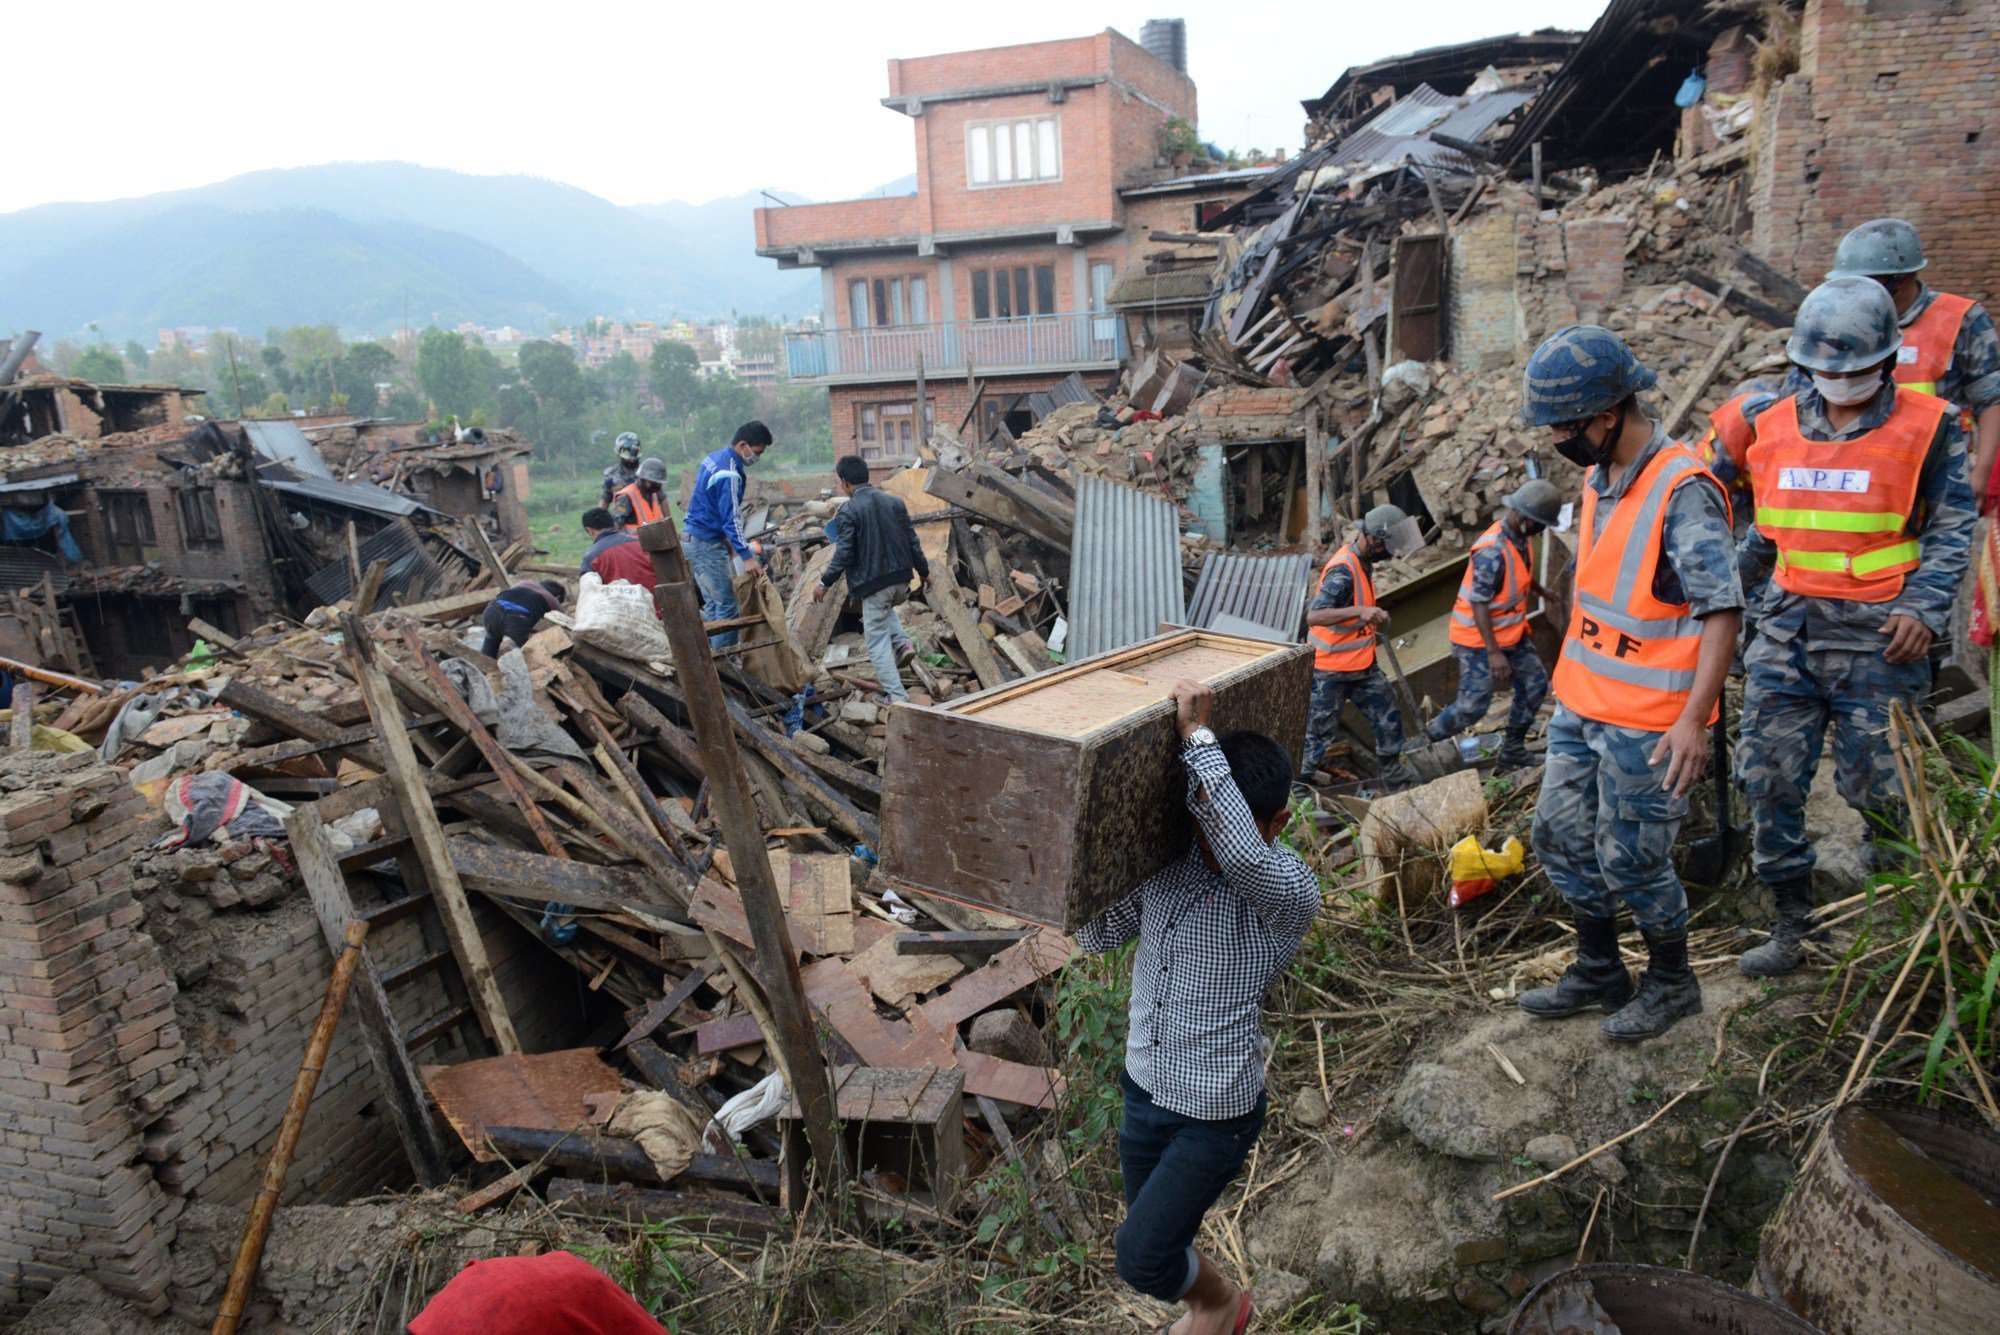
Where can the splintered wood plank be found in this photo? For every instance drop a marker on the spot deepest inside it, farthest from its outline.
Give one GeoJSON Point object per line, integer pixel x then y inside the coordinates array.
{"type": "Point", "coordinates": [997, 1078]}
{"type": "Point", "coordinates": [1019, 966]}
{"type": "Point", "coordinates": [546, 1089]}
{"type": "Point", "coordinates": [738, 1031]}
{"type": "Point", "coordinates": [896, 977]}
{"type": "Point", "coordinates": [839, 996]}
{"type": "Point", "coordinates": [819, 901]}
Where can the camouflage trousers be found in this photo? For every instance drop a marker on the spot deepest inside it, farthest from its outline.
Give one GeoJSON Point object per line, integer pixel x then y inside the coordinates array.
{"type": "Point", "coordinates": [1792, 696]}
{"type": "Point", "coordinates": [1475, 690]}
{"type": "Point", "coordinates": [1604, 827]}
{"type": "Point", "coordinates": [1371, 694]}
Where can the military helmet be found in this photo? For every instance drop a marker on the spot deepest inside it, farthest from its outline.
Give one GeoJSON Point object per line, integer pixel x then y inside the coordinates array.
{"type": "Point", "coordinates": [1886, 246]}
{"type": "Point", "coordinates": [628, 445]}
{"type": "Point", "coordinates": [652, 471]}
{"type": "Point", "coordinates": [1397, 531]}
{"type": "Point", "coordinates": [1844, 324]}
{"type": "Point", "coordinates": [1538, 499]}
{"type": "Point", "coordinates": [1579, 372]}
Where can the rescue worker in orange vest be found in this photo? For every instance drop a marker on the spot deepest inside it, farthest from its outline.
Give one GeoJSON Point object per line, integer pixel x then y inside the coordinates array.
{"type": "Point", "coordinates": [1949, 345]}
{"type": "Point", "coordinates": [644, 500]}
{"type": "Point", "coordinates": [1863, 528]}
{"type": "Point", "coordinates": [1654, 615]}
{"type": "Point", "coordinates": [1726, 447]}
{"type": "Point", "coordinates": [1489, 623]}
{"type": "Point", "coordinates": [1342, 621]}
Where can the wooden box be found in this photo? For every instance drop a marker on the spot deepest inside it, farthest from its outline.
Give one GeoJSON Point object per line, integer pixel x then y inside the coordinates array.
{"type": "Point", "coordinates": [906, 1126]}
{"type": "Point", "coordinates": [1052, 798]}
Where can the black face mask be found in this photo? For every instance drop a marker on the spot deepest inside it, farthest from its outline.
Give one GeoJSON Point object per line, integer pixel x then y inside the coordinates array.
{"type": "Point", "coordinates": [1578, 449]}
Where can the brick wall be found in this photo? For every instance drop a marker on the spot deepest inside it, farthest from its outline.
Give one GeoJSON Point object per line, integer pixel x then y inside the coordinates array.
{"type": "Point", "coordinates": [1485, 317]}
{"type": "Point", "coordinates": [949, 399]}
{"type": "Point", "coordinates": [1891, 114]}
{"type": "Point", "coordinates": [91, 1043]}
{"type": "Point", "coordinates": [1594, 252]}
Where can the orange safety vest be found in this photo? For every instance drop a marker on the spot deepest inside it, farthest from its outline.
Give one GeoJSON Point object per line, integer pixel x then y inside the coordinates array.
{"type": "Point", "coordinates": [1928, 342]}
{"type": "Point", "coordinates": [1839, 510]}
{"type": "Point", "coordinates": [1509, 607]}
{"type": "Point", "coordinates": [1349, 646]}
{"type": "Point", "coordinates": [643, 510]}
{"type": "Point", "coordinates": [1628, 658]}
{"type": "Point", "coordinates": [1729, 434]}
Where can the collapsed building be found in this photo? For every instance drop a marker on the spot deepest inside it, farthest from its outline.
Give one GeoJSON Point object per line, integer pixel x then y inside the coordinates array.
{"type": "Point", "coordinates": [535, 842]}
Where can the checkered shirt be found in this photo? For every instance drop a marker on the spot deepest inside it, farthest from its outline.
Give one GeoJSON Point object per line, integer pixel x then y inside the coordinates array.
{"type": "Point", "coordinates": [1210, 945]}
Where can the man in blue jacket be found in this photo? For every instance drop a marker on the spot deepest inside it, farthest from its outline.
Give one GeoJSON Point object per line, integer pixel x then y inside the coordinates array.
{"type": "Point", "coordinates": [713, 536]}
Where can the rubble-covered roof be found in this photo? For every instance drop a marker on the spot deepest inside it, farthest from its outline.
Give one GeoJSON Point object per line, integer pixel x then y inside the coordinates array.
{"type": "Point", "coordinates": [1174, 287]}
{"type": "Point", "coordinates": [1452, 67]}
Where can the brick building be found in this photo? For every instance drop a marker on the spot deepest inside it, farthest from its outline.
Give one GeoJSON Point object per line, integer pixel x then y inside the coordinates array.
{"type": "Point", "coordinates": [999, 268]}
{"type": "Point", "coordinates": [1894, 110]}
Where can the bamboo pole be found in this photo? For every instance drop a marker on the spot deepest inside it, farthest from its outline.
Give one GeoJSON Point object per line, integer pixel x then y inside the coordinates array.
{"type": "Point", "coordinates": [265, 1205]}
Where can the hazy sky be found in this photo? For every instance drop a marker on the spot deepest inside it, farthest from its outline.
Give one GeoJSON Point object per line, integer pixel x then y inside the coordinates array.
{"type": "Point", "coordinates": [637, 102]}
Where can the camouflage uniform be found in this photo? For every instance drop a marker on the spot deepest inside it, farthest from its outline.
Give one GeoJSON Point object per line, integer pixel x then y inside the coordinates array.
{"type": "Point", "coordinates": [1368, 689]}
{"type": "Point", "coordinates": [1819, 661]}
{"type": "Point", "coordinates": [1475, 670]}
{"type": "Point", "coordinates": [616, 478]}
{"type": "Point", "coordinates": [1604, 826]}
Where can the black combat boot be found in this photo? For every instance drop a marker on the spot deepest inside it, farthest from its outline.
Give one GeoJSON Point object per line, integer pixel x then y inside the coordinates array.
{"type": "Point", "coordinates": [1668, 991]}
{"type": "Point", "coordinates": [1786, 950]}
{"type": "Point", "coordinates": [1514, 755]}
{"type": "Point", "coordinates": [1597, 978]}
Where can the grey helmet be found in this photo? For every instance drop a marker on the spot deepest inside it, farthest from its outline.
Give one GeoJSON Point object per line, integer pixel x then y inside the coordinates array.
{"type": "Point", "coordinates": [1538, 500]}
{"type": "Point", "coordinates": [628, 445]}
{"type": "Point", "coordinates": [1883, 247]}
{"type": "Point", "coordinates": [652, 470]}
{"type": "Point", "coordinates": [1398, 532]}
{"type": "Point", "coordinates": [1844, 324]}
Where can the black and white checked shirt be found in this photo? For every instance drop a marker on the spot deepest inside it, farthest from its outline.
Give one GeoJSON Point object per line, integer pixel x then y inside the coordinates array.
{"type": "Point", "coordinates": [1210, 945]}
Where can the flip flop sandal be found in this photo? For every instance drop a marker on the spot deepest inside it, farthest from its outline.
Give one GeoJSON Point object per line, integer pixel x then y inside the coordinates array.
{"type": "Point", "coordinates": [1242, 1316]}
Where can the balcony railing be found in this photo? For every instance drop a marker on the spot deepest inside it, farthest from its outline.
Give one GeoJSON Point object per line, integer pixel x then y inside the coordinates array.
{"type": "Point", "coordinates": [990, 347]}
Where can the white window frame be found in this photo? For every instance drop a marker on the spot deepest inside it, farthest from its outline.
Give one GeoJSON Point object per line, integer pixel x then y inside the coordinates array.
{"type": "Point", "coordinates": [993, 151]}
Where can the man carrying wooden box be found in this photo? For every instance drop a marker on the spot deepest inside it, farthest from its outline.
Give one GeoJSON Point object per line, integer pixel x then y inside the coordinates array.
{"type": "Point", "coordinates": [1215, 930]}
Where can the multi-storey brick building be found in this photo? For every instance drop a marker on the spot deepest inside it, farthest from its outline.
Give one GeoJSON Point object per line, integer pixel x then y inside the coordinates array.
{"type": "Point", "coordinates": [999, 268]}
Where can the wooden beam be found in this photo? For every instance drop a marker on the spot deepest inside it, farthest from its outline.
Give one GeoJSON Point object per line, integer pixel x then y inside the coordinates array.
{"type": "Point", "coordinates": [604, 1156]}
{"type": "Point", "coordinates": [514, 873]}
{"type": "Point", "coordinates": [956, 943]}
{"type": "Point", "coordinates": [793, 1039]}
{"type": "Point", "coordinates": [370, 586]}
{"type": "Point", "coordinates": [449, 608]}
{"type": "Point", "coordinates": [421, 820]}
{"type": "Point", "coordinates": [21, 730]}
{"type": "Point", "coordinates": [626, 770]}
{"type": "Point", "coordinates": [1003, 499]}
{"type": "Point", "coordinates": [941, 591]}
{"type": "Point", "coordinates": [216, 636]}
{"type": "Point", "coordinates": [1691, 392]}
{"type": "Point", "coordinates": [409, 1105]}
{"type": "Point", "coordinates": [1787, 289]}
{"type": "Point", "coordinates": [1741, 302]}
{"type": "Point", "coordinates": [646, 1205]}
{"type": "Point", "coordinates": [839, 810]}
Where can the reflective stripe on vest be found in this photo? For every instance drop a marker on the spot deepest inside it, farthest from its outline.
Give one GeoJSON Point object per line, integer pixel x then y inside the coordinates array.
{"type": "Point", "coordinates": [643, 510]}
{"type": "Point", "coordinates": [1838, 511]}
{"type": "Point", "coordinates": [1508, 609]}
{"type": "Point", "coordinates": [1629, 659]}
{"type": "Point", "coordinates": [1350, 646]}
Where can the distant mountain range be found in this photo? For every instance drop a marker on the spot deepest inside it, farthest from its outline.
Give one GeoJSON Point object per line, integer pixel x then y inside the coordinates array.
{"type": "Point", "coordinates": [356, 244]}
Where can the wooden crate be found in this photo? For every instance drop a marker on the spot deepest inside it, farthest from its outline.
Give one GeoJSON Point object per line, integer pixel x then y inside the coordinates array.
{"type": "Point", "coordinates": [907, 1126]}
{"type": "Point", "coordinates": [1051, 798]}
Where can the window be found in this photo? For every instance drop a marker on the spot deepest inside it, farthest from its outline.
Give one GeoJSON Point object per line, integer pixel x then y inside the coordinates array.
{"type": "Point", "coordinates": [889, 430]}
{"type": "Point", "coordinates": [1013, 151]}
{"type": "Point", "coordinates": [150, 629]}
{"type": "Point", "coordinates": [1002, 294]}
{"type": "Point", "coordinates": [888, 301]}
{"type": "Point", "coordinates": [1103, 328]}
{"type": "Point", "coordinates": [201, 523]}
{"type": "Point", "coordinates": [128, 526]}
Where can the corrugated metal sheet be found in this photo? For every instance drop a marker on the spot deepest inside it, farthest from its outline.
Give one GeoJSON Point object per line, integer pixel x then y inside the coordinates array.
{"type": "Point", "coordinates": [347, 495]}
{"type": "Point", "coordinates": [38, 484]}
{"type": "Point", "coordinates": [1125, 571]}
{"type": "Point", "coordinates": [399, 545]}
{"type": "Point", "coordinates": [284, 443]}
{"type": "Point", "coordinates": [1402, 133]}
{"type": "Point", "coordinates": [1267, 591]}
{"type": "Point", "coordinates": [23, 568]}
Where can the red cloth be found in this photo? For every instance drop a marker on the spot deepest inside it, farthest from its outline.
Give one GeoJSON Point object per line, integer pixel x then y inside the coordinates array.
{"type": "Point", "coordinates": [556, 1294]}
{"type": "Point", "coordinates": [627, 561]}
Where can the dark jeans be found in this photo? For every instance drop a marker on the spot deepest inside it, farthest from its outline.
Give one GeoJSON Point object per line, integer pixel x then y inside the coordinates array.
{"type": "Point", "coordinates": [502, 623]}
{"type": "Point", "coordinates": [1174, 1169]}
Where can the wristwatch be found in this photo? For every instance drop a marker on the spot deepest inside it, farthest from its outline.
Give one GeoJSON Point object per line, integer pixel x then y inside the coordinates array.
{"type": "Point", "coordinates": [1200, 737]}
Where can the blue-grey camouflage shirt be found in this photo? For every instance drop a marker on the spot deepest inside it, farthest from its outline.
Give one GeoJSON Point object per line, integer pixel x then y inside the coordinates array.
{"type": "Point", "coordinates": [1489, 566]}
{"type": "Point", "coordinates": [1699, 568]}
{"type": "Point", "coordinates": [1943, 517]}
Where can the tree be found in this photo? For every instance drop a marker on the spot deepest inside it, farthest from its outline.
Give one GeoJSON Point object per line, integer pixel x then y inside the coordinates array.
{"type": "Point", "coordinates": [455, 380]}
{"type": "Point", "coordinates": [360, 370]}
{"type": "Point", "coordinates": [136, 355]}
{"type": "Point", "coordinates": [619, 379]}
{"type": "Point", "coordinates": [673, 376]}
{"type": "Point", "coordinates": [273, 358]}
{"type": "Point", "coordinates": [100, 365]}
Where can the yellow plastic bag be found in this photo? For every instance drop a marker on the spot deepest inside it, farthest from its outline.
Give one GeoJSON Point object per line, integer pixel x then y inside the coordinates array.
{"type": "Point", "coordinates": [1475, 869]}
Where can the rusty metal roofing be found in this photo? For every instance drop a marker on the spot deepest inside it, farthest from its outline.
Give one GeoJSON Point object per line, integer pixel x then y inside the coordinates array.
{"type": "Point", "coordinates": [1267, 591]}
{"type": "Point", "coordinates": [284, 443]}
{"type": "Point", "coordinates": [1125, 570]}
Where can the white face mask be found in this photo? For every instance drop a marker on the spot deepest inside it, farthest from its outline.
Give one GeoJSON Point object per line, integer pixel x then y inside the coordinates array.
{"type": "Point", "coordinates": [1846, 392]}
